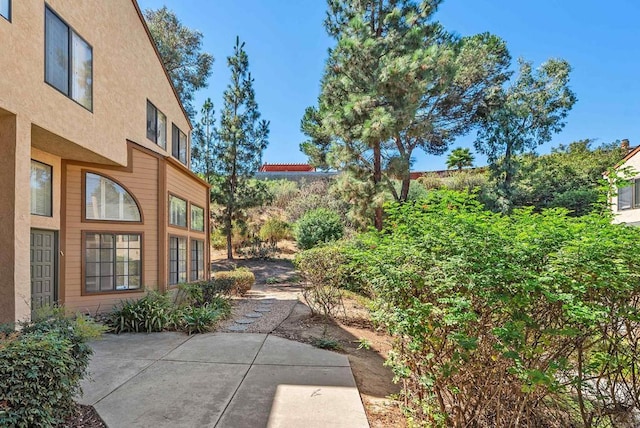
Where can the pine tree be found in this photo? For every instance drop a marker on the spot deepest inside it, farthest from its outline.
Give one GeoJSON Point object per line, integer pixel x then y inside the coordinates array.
{"type": "Point", "coordinates": [396, 81]}
{"type": "Point", "coordinates": [202, 148]}
{"type": "Point", "coordinates": [242, 137]}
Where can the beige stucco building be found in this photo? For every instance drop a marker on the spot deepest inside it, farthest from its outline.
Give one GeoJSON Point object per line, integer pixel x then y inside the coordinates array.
{"type": "Point", "coordinates": [98, 202]}
{"type": "Point", "coordinates": [626, 203]}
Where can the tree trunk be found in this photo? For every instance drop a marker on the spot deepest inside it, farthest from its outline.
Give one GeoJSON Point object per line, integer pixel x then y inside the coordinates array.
{"type": "Point", "coordinates": [377, 178]}
{"type": "Point", "coordinates": [228, 225]}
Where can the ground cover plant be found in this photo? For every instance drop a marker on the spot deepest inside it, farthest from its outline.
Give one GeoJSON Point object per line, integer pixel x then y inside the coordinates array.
{"type": "Point", "coordinates": [528, 319]}
{"type": "Point", "coordinates": [196, 308]}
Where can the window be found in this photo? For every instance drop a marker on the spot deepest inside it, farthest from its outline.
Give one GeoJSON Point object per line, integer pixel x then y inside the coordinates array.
{"type": "Point", "coordinates": [113, 262]}
{"type": "Point", "coordinates": [178, 144]}
{"type": "Point", "coordinates": [197, 218]}
{"type": "Point", "coordinates": [197, 260]}
{"type": "Point", "coordinates": [68, 61]}
{"type": "Point", "coordinates": [156, 125]}
{"type": "Point", "coordinates": [177, 260]}
{"type": "Point", "coordinates": [629, 196]}
{"type": "Point", "coordinates": [41, 179]}
{"type": "Point", "coordinates": [177, 211]}
{"type": "Point", "coordinates": [5, 9]}
{"type": "Point", "coordinates": [107, 200]}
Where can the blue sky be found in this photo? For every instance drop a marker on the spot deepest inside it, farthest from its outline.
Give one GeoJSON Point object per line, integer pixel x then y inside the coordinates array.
{"type": "Point", "coordinates": [287, 48]}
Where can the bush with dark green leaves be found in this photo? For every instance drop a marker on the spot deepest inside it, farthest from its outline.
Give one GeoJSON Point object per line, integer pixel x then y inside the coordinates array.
{"type": "Point", "coordinates": [151, 313]}
{"type": "Point", "coordinates": [41, 368]}
{"type": "Point", "coordinates": [201, 319]}
{"type": "Point", "coordinates": [317, 227]}
{"type": "Point", "coordinates": [528, 319]}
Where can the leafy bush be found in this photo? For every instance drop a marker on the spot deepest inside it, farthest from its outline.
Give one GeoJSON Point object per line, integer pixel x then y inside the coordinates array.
{"type": "Point", "coordinates": [283, 192]}
{"type": "Point", "coordinates": [333, 265]}
{"type": "Point", "coordinates": [151, 313]}
{"type": "Point", "coordinates": [239, 280]}
{"type": "Point", "coordinates": [41, 368]}
{"type": "Point", "coordinates": [201, 319]}
{"type": "Point", "coordinates": [318, 226]}
{"type": "Point", "coordinates": [528, 319]}
{"type": "Point", "coordinates": [274, 230]}
{"type": "Point", "coordinates": [313, 195]}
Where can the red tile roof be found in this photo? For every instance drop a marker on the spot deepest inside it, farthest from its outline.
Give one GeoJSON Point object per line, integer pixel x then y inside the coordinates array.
{"type": "Point", "coordinates": [287, 167]}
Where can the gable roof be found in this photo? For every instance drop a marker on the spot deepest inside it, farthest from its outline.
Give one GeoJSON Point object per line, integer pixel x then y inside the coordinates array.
{"type": "Point", "coordinates": [155, 49]}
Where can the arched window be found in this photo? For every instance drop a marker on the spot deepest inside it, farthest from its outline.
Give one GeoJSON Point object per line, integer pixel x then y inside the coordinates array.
{"type": "Point", "coordinates": [107, 200]}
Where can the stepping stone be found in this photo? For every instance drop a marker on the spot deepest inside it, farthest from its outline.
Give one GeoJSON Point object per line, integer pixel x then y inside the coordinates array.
{"type": "Point", "coordinates": [253, 315]}
{"type": "Point", "coordinates": [262, 310]}
{"type": "Point", "coordinates": [244, 321]}
{"type": "Point", "coordinates": [237, 327]}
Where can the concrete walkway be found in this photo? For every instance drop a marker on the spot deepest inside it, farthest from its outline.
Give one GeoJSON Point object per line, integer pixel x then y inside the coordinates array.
{"type": "Point", "coordinates": [222, 380]}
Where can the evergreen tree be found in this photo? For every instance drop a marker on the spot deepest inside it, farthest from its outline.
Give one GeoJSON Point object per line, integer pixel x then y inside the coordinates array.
{"type": "Point", "coordinates": [522, 116]}
{"type": "Point", "coordinates": [203, 142]}
{"type": "Point", "coordinates": [396, 81]}
{"type": "Point", "coordinates": [180, 50]}
{"type": "Point", "coordinates": [242, 137]}
{"type": "Point", "coordinates": [460, 158]}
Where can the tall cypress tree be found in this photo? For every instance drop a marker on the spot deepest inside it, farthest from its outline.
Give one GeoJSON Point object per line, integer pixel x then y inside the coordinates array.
{"type": "Point", "coordinates": [242, 137]}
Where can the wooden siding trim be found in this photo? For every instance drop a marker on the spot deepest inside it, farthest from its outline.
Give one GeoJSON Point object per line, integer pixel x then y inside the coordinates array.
{"type": "Point", "coordinates": [163, 249]}
{"type": "Point", "coordinates": [83, 196]}
{"type": "Point", "coordinates": [83, 247]}
{"type": "Point", "coordinates": [62, 248]}
{"type": "Point", "coordinates": [187, 171]}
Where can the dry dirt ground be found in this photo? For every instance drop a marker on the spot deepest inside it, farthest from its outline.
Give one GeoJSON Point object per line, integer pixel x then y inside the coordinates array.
{"type": "Point", "coordinates": [352, 332]}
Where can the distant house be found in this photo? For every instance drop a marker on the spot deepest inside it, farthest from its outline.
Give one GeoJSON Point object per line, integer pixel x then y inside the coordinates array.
{"type": "Point", "coordinates": [292, 171]}
{"type": "Point", "coordinates": [626, 204]}
{"type": "Point", "coordinates": [98, 202]}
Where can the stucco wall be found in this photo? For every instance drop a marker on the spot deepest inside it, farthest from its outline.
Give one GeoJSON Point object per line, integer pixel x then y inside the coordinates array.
{"type": "Point", "coordinates": [630, 215]}
{"type": "Point", "coordinates": [126, 72]}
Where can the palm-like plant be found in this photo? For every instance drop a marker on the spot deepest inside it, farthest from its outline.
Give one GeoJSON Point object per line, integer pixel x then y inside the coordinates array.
{"type": "Point", "coordinates": [460, 158]}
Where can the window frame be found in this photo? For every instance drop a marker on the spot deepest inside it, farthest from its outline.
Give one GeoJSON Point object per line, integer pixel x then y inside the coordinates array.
{"type": "Point", "coordinates": [186, 212]}
{"type": "Point", "coordinates": [157, 112]}
{"type": "Point", "coordinates": [193, 262]}
{"type": "Point", "coordinates": [70, 32]}
{"type": "Point", "coordinates": [83, 265]}
{"type": "Point", "coordinates": [9, 11]}
{"type": "Point", "coordinates": [634, 188]}
{"type": "Point", "coordinates": [171, 284]}
{"type": "Point", "coordinates": [50, 193]}
{"type": "Point", "coordinates": [83, 189]}
{"type": "Point", "coordinates": [175, 148]}
{"type": "Point", "coordinates": [191, 207]}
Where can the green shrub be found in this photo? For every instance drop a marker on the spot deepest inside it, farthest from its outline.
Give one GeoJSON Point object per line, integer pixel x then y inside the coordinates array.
{"type": "Point", "coordinates": [507, 318]}
{"type": "Point", "coordinates": [201, 319]}
{"type": "Point", "coordinates": [274, 230]}
{"type": "Point", "coordinates": [283, 192]}
{"type": "Point", "coordinates": [318, 226]}
{"type": "Point", "coordinates": [151, 313]}
{"type": "Point", "coordinates": [239, 280]}
{"type": "Point", "coordinates": [41, 368]}
{"type": "Point", "coordinates": [333, 265]}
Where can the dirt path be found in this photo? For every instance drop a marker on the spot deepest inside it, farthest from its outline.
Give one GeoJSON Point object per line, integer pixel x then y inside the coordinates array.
{"type": "Point", "coordinates": [275, 305]}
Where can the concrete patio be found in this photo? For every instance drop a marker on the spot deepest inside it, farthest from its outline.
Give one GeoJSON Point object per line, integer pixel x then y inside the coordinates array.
{"type": "Point", "coordinates": [220, 380]}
